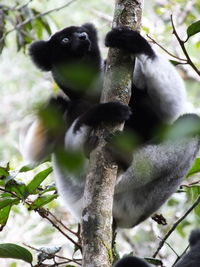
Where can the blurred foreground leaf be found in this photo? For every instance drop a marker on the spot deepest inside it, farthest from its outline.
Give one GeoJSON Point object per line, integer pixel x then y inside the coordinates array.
{"type": "Point", "coordinates": [9, 250]}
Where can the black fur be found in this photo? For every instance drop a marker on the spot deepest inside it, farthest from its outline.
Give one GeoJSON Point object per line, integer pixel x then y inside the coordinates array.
{"type": "Point", "coordinates": [106, 112]}
{"type": "Point", "coordinates": [128, 40]}
{"type": "Point", "coordinates": [81, 51]}
{"type": "Point", "coordinates": [131, 261]}
{"type": "Point", "coordinates": [48, 55]}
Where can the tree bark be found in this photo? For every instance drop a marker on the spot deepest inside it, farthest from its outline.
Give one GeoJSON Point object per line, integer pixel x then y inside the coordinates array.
{"type": "Point", "coordinates": [102, 171]}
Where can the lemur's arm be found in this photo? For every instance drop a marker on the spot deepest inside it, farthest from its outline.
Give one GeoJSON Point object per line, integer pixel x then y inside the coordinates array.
{"type": "Point", "coordinates": [112, 112]}
{"type": "Point", "coordinates": [152, 73]}
{"type": "Point", "coordinates": [41, 140]}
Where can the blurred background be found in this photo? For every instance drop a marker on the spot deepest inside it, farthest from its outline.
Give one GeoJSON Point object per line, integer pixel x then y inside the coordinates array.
{"type": "Point", "coordinates": [23, 87]}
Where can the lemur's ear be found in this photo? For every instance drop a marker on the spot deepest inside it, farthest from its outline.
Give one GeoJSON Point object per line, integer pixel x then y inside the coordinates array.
{"type": "Point", "coordinates": [41, 54]}
{"type": "Point", "coordinates": [91, 29]}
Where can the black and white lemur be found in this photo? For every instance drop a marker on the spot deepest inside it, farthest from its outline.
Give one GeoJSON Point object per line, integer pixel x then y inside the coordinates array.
{"type": "Point", "coordinates": [158, 97]}
{"type": "Point", "coordinates": [190, 259]}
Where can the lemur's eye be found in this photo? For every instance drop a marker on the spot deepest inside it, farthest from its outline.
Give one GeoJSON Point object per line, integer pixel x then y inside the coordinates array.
{"type": "Point", "coordinates": [65, 40]}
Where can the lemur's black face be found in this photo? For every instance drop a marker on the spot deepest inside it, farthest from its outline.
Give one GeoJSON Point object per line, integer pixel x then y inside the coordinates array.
{"type": "Point", "coordinates": [69, 43]}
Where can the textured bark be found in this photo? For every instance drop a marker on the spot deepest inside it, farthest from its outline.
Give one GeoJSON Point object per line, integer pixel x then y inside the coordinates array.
{"type": "Point", "coordinates": [100, 182]}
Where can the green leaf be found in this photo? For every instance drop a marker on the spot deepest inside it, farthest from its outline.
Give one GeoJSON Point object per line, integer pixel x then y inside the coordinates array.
{"type": "Point", "coordinates": [9, 250]}
{"type": "Point", "coordinates": [154, 261]}
{"type": "Point", "coordinates": [26, 168]}
{"type": "Point", "coordinates": [41, 201]}
{"type": "Point", "coordinates": [72, 161]}
{"type": "Point", "coordinates": [3, 172]}
{"type": "Point", "coordinates": [38, 179]}
{"type": "Point", "coordinates": [195, 167]}
{"type": "Point", "coordinates": [7, 201]}
{"type": "Point", "coordinates": [48, 189]}
{"type": "Point", "coordinates": [18, 187]}
{"type": "Point", "coordinates": [4, 214]}
{"type": "Point", "coordinates": [175, 63]}
{"type": "Point", "coordinates": [193, 29]}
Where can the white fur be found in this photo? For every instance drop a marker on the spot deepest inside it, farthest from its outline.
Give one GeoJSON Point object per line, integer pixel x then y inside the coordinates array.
{"type": "Point", "coordinates": [164, 85]}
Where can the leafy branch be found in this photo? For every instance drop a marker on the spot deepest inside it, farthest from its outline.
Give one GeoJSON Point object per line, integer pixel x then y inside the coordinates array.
{"type": "Point", "coordinates": [192, 30]}
{"type": "Point", "coordinates": [182, 43]}
{"type": "Point", "coordinates": [15, 192]}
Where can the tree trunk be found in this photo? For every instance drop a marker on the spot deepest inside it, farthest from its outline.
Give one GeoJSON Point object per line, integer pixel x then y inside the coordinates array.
{"type": "Point", "coordinates": [102, 171]}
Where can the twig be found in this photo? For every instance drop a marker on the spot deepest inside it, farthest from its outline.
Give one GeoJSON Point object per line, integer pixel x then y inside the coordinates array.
{"type": "Point", "coordinates": [44, 214]}
{"type": "Point", "coordinates": [15, 7]}
{"type": "Point", "coordinates": [197, 201]}
{"type": "Point", "coordinates": [7, 191]}
{"type": "Point", "coordinates": [19, 25]}
{"type": "Point", "coordinates": [56, 256]}
{"type": "Point", "coordinates": [61, 223]}
{"type": "Point", "coordinates": [170, 247]}
{"type": "Point", "coordinates": [190, 184]}
{"type": "Point", "coordinates": [179, 257]}
{"type": "Point", "coordinates": [182, 44]}
{"type": "Point", "coordinates": [24, 5]}
{"type": "Point", "coordinates": [164, 49]}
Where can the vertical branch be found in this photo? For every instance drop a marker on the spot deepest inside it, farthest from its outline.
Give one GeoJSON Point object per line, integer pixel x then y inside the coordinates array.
{"type": "Point", "coordinates": [102, 171]}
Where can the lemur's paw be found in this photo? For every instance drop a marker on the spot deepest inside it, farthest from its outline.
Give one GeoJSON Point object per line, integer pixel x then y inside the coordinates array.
{"type": "Point", "coordinates": [105, 112]}
{"type": "Point", "coordinates": [113, 112]}
{"type": "Point", "coordinates": [128, 40]}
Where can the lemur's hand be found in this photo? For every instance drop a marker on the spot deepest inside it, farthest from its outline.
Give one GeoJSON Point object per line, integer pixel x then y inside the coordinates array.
{"type": "Point", "coordinates": [106, 112]}
{"type": "Point", "coordinates": [128, 40]}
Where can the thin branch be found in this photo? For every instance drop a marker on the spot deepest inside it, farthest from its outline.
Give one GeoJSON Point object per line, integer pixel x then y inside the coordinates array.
{"type": "Point", "coordinates": [19, 25]}
{"type": "Point", "coordinates": [182, 44]}
{"type": "Point", "coordinates": [170, 247]}
{"type": "Point", "coordinates": [164, 49]}
{"type": "Point", "coordinates": [7, 191]}
{"type": "Point", "coordinates": [197, 201]}
{"type": "Point", "coordinates": [54, 255]}
{"type": "Point", "coordinates": [24, 5]}
{"type": "Point", "coordinates": [179, 257]}
{"type": "Point", "coordinates": [62, 224]}
{"type": "Point", "coordinates": [15, 7]}
{"type": "Point", "coordinates": [44, 214]}
{"type": "Point", "coordinates": [192, 184]}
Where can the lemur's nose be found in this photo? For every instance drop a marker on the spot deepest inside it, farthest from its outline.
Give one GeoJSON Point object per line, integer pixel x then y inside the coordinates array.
{"type": "Point", "coordinates": [83, 36]}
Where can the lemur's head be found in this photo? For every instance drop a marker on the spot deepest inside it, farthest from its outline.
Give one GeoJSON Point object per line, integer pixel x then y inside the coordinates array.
{"type": "Point", "coordinates": [71, 43]}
